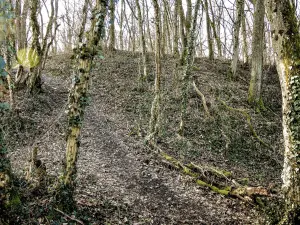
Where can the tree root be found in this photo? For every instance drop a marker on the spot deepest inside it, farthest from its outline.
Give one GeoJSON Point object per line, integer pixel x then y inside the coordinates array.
{"type": "Point", "coordinates": [248, 120]}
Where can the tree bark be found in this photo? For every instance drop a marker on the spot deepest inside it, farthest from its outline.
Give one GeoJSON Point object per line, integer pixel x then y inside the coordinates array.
{"type": "Point", "coordinates": [208, 31]}
{"type": "Point", "coordinates": [245, 43]}
{"type": "Point", "coordinates": [187, 68]}
{"type": "Point", "coordinates": [155, 109]}
{"type": "Point", "coordinates": [237, 24]}
{"type": "Point", "coordinates": [254, 93]}
{"type": "Point", "coordinates": [175, 36]}
{"type": "Point", "coordinates": [34, 75]}
{"type": "Point", "coordinates": [142, 39]}
{"type": "Point", "coordinates": [79, 91]}
{"type": "Point", "coordinates": [286, 45]}
{"type": "Point", "coordinates": [112, 26]}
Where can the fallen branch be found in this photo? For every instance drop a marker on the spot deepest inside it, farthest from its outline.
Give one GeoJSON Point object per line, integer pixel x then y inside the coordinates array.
{"type": "Point", "coordinates": [248, 120]}
{"type": "Point", "coordinates": [69, 217]}
{"type": "Point", "coordinates": [212, 178]}
{"type": "Point", "coordinates": [202, 98]}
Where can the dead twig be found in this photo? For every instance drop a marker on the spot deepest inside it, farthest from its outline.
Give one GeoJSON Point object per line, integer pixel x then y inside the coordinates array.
{"type": "Point", "coordinates": [69, 217]}
{"type": "Point", "coordinates": [203, 99]}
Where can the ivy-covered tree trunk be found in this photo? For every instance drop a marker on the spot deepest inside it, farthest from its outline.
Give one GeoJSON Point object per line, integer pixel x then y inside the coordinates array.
{"type": "Point", "coordinates": [286, 45]}
{"type": "Point", "coordinates": [187, 68]}
{"type": "Point", "coordinates": [34, 75]}
{"type": "Point", "coordinates": [237, 25]}
{"type": "Point", "coordinates": [78, 96]}
{"type": "Point", "coordinates": [154, 123]}
{"type": "Point", "coordinates": [254, 94]}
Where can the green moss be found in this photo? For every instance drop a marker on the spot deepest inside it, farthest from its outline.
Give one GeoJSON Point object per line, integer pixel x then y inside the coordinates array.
{"type": "Point", "coordinates": [14, 201]}
{"type": "Point", "coordinates": [220, 191]}
{"type": "Point", "coordinates": [214, 188]}
{"type": "Point", "coordinates": [189, 172]}
{"type": "Point", "coordinates": [201, 183]}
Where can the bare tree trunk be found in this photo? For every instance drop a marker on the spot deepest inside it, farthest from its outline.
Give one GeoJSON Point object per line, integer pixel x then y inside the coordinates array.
{"type": "Point", "coordinates": [182, 27]}
{"type": "Point", "coordinates": [142, 39]}
{"type": "Point", "coordinates": [214, 27]}
{"type": "Point", "coordinates": [237, 24]}
{"type": "Point", "coordinates": [286, 45]}
{"type": "Point", "coordinates": [46, 45]}
{"type": "Point", "coordinates": [208, 30]}
{"type": "Point", "coordinates": [112, 26]}
{"type": "Point", "coordinates": [254, 94]}
{"type": "Point", "coordinates": [56, 25]}
{"type": "Point", "coordinates": [148, 27]}
{"type": "Point", "coordinates": [175, 36]}
{"type": "Point", "coordinates": [121, 25]}
{"type": "Point", "coordinates": [245, 43]}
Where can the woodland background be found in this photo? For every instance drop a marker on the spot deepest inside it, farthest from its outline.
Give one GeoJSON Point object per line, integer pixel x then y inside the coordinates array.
{"type": "Point", "coordinates": [149, 112]}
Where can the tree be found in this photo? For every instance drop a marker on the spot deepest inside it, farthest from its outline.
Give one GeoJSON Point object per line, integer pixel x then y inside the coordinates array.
{"type": "Point", "coordinates": [175, 36]}
{"type": "Point", "coordinates": [112, 35]}
{"type": "Point", "coordinates": [286, 45]}
{"type": "Point", "coordinates": [78, 98]}
{"type": "Point", "coordinates": [237, 24]}
{"type": "Point", "coordinates": [187, 68]}
{"type": "Point", "coordinates": [142, 39]}
{"type": "Point", "coordinates": [254, 93]}
{"type": "Point", "coordinates": [155, 109]}
{"type": "Point", "coordinates": [208, 30]}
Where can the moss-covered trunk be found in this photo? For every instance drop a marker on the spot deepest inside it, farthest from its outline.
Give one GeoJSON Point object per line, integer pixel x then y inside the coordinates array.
{"type": "Point", "coordinates": [155, 109]}
{"type": "Point", "coordinates": [187, 68]}
{"type": "Point", "coordinates": [34, 76]}
{"type": "Point", "coordinates": [78, 96]}
{"type": "Point", "coordinates": [286, 45]}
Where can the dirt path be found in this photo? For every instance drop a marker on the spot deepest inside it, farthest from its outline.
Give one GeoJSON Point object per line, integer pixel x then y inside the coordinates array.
{"type": "Point", "coordinates": [112, 165]}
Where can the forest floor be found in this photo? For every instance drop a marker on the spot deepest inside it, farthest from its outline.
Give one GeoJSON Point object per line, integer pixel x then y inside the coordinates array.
{"type": "Point", "coordinates": [120, 179]}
